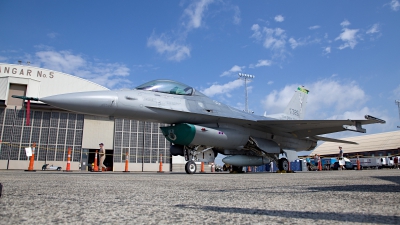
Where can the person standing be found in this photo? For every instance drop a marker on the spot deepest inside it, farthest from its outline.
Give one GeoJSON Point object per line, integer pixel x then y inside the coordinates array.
{"type": "Point", "coordinates": [102, 153]}
{"type": "Point", "coordinates": [316, 161]}
{"type": "Point", "coordinates": [271, 166]}
{"type": "Point", "coordinates": [308, 164]}
{"type": "Point", "coordinates": [340, 157]}
{"type": "Point", "coordinates": [396, 162]}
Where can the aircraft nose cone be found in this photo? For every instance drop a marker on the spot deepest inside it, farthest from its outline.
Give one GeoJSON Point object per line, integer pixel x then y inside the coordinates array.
{"type": "Point", "coordinates": [102, 103]}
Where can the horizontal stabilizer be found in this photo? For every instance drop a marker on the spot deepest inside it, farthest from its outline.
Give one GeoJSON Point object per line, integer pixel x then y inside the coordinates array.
{"type": "Point", "coordinates": [334, 140]}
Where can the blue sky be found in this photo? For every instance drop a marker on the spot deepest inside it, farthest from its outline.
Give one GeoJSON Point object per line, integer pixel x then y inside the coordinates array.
{"type": "Point", "coordinates": [345, 52]}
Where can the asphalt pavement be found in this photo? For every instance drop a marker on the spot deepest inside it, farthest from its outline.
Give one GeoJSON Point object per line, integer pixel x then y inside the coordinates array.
{"type": "Point", "coordinates": [327, 197]}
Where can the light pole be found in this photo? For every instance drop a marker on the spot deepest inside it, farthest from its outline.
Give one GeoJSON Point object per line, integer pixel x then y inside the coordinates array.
{"type": "Point", "coordinates": [246, 77]}
{"type": "Point", "coordinates": [397, 102]}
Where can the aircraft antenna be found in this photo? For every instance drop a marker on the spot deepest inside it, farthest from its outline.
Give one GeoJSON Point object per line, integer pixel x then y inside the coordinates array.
{"type": "Point", "coordinates": [246, 77]}
{"type": "Point", "coordinates": [398, 105]}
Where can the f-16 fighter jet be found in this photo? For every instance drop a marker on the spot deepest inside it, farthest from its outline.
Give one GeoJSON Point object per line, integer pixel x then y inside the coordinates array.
{"type": "Point", "coordinates": [200, 127]}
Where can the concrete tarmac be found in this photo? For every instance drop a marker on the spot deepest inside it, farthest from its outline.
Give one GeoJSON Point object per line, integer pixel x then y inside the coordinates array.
{"type": "Point", "coordinates": [331, 197]}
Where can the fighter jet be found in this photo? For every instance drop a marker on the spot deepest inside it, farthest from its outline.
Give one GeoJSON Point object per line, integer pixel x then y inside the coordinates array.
{"type": "Point", "coordinates": [199, 128]}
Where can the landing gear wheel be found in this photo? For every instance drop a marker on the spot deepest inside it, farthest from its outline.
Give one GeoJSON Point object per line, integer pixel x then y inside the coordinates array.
{"type": "Point", "coordinates": [190, 167]}
{"type": "Point", "coordinates": [283, 164]}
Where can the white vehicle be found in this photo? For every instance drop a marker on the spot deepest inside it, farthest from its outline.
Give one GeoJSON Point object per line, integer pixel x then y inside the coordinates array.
{"type": "Point", "coordinates": [375, 163]}
{"type": "Point", "coordinates": [47, 167]}
{"type": "Point", "coordinates": [389, 162]}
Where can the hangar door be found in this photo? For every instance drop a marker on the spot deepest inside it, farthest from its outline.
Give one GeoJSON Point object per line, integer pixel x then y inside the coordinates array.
{"type": "Point", "coordinates": [16, 89]}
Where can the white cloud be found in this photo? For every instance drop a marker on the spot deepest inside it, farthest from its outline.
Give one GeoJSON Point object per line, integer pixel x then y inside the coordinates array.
{"type": "Point", "coordinates": [63, 61]}
{"type": "Point", "coordinates": [261, 62]}
{"type": "Point", "coordinates": [314, 27]}
{"type": "Point", "coordinates": [234, 69]}
{"type": "Point", "coordinates": [217, 89]}
{"type": "Point", "coordinates": [270, 82]}
{"type": "Point", "coordinates": [345, 23]}
{"type": "Point", "coordinates": [276, 102]}
{"type": "Point", "coordinates": [173, 51]}
{"type": "Point", "coordinates": [373, 29]}
{"type": "Point", "coordinates": [274, 39]}
{"type": "Point", "coordinates": [256, 32]}
{"type": "Point", "coordinates": [279, 18]}
{"type": "Point", "coordinates": [327, 50]}
{"type": "Point", "coordinates": [396, 93]}
{"type": "Point", "coordinates": [348, 36]}
{"type": "Point", "coordinates": [302, 42]}
{"type": "Point", "coordinates": [236, 16]}
{"type": "Point", "coordinates": [326, 99]}
{"type": "Point", "coordinates": [340, 96]}
{"type": "Point", "coordinates": [293, 43]}
{"type": "Point", "coordinates": [195, 13]}
{"type": "Point", "coordinates": [395, 5]}
{"type": "Point", "coordinates": [110, 75]}
{"type": "Point", "coordinates": [3, 59]}
{"type": "Point", "coordinates": [52, 35]}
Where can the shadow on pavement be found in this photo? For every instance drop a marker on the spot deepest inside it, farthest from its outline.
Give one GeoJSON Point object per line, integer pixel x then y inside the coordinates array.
{"type": "Point", "coordinates": [359, 188]}
{"type": "Point", "coordinates": [340, 217]}
{"type": "Point", "coordinates": [394, 179]}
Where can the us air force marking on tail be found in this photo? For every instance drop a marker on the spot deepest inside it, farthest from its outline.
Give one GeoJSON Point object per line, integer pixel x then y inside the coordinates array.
{"type": "Point", "coordinates": [201, 127]}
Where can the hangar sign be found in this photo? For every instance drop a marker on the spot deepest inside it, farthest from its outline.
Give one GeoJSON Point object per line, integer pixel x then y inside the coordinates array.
{"type": "Point", "coordinates": [23, 71]}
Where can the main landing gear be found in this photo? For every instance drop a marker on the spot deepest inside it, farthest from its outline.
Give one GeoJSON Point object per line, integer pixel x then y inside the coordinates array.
{"type": "Point", "coordinates": [283, 164]}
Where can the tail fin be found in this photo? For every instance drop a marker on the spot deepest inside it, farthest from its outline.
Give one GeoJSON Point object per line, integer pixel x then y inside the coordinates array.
{"type": "Point", "coordinates": [295, 110]}
{"type": "Point", "coordinates": [297, 104]}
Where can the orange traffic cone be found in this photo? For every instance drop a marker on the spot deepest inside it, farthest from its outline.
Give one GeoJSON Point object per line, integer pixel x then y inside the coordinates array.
{"type": "Point", "coordinates": [319, 166]}
{"type": "Point", "coordinates": [160, 168]}
{"type": "Point", "coordinates": [358, 164]}
{"type": "Point", "coordinates": [96, 168]}
{"type": "Point", "coordinates": [69, 161]}
{"type": "Point", "coordinates": [126, 163]}
{"type": "Point", "coordinates": [202, 167]}
{"type": "Point", "coordinates": [32, 159]}
{"type": "Point", "coordinates": [248, 169]}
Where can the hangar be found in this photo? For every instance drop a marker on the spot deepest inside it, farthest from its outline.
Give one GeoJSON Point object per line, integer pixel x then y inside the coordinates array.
{"type": "Point", "coordinates": [54, 130]}
{"type": "Point", "coordinates": [372, 145]}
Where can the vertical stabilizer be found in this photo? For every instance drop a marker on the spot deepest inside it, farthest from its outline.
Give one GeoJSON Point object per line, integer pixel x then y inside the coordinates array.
{"type": "Point", "coordinates": [297, 105]}
{"type": "Point", "coordinates": [296, 108]}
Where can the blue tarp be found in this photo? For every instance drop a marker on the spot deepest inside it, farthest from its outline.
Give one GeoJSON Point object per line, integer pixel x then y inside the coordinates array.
{"type": "Point", "coordinates": [294, 166]}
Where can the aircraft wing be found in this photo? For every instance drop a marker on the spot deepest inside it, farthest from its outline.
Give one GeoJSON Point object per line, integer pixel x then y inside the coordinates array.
{"type": "Point", "coordinates": [298, 128]}
{"type": "Point", "coordinates": [310, 128]}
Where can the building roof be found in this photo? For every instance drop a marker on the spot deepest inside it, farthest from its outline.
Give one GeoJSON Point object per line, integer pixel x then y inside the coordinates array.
{"type": "Point", "coordinates": [42, 82]}
{"type": "Point", "coordinates": [371, 142]}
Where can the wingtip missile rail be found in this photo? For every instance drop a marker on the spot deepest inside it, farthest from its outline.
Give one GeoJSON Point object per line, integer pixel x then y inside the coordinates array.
{"type": "Point", "coordinates": [25, 98]}
{"type": "Point", "coordinates": [368, 117]}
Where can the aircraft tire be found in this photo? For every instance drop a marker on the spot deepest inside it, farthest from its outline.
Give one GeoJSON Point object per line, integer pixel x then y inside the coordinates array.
{"type": "Point", "coordinates": [190, 167]}
{"type": "Point", "coordinates": [283, 164]}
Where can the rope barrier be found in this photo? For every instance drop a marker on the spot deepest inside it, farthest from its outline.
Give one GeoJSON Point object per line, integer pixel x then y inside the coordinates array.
{"type": "Point", "coordinates": [54, 150]}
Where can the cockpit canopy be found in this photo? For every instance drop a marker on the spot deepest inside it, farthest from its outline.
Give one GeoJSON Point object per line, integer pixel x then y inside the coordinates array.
{"type": "Point", "coordinates": [166, 86]}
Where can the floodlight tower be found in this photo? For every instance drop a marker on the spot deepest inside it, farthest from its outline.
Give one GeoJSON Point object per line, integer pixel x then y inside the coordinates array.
{"type": "Point", "coordinates": [398, 105]}
{"type": "Point", "coordinates": [246, 77]}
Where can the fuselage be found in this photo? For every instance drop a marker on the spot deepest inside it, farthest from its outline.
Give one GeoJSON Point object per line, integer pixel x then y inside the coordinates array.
{"type": "Point", "coordinates": [170, 103]}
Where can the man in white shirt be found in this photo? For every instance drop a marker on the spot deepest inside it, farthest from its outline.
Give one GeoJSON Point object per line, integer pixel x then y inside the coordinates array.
{"type": "Point", "coordinates": [102, 153]}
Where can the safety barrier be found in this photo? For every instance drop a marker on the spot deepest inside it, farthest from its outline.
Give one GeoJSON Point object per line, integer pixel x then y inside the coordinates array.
{"type": "Point", "coordinates": [53, 151]}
